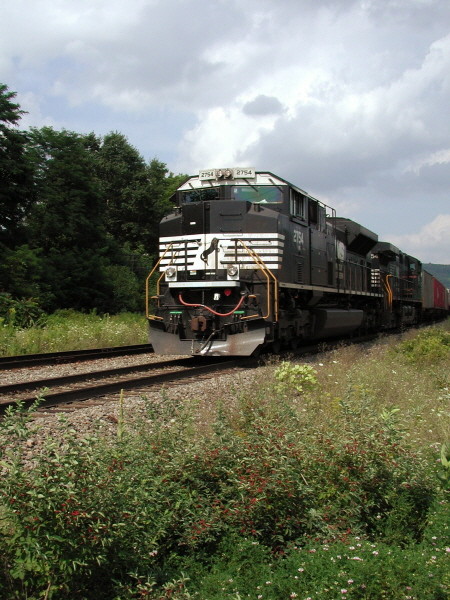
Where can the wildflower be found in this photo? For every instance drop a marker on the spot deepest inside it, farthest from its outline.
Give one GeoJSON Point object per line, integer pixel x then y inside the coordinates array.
{"type": "Point", "coordinates": [350, 581]}
{"type": "Point", "coordinates": [300, 570]}
{"type": "Point", "coordinates": [293, 595]}
{"type": "Point", "coordinates": [343, 591]}
{"type": "Point", "coordinates": [375, 553]}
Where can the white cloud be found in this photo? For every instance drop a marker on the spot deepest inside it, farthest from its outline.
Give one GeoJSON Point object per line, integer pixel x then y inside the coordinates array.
{"type": "Point", "coordinates": [441, 157]}
{"type": "Point", "coordinates": [431, 243]}
{"type": "Point", "coordinates": [348, 100]}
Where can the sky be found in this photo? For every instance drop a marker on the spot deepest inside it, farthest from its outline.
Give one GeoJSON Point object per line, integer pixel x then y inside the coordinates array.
{"type": "Point", "coordinates": [347, 99]}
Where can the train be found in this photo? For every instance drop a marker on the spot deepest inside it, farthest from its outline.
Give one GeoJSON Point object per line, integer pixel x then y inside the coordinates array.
{"type": "Point", "coordinates": [248, 261]}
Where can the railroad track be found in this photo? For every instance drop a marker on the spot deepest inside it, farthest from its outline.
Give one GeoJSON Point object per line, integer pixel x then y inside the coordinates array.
{"type": "Point", "coordinates": [80, 387]}
{"type": "Point", "coordinates": [53, 358]}
{"type": "Point", "coordinates": [67, 389]}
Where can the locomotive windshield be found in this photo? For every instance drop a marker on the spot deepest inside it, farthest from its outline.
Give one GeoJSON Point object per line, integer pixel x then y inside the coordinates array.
{"type": "Point", "coordinates": [258, 194]}
{"type": "Point", "coordinates": [200, 195]}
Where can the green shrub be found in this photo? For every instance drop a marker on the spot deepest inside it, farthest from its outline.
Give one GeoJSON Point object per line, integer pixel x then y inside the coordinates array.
{"type": "Point", "coordinates": [295, 377]}
{"type": "Point", "coordinates": [430, 345]}
{"type": "Point", "coordinates": [92, 518]}
{"type": "Point", "coordinates": [282, 490]}
{"type": "Point", "coordinates": [20, 313]}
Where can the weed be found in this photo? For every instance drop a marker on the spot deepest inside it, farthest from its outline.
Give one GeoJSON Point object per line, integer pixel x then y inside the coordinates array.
{"type": "Point", "coordinates": [314, 489]}
{"type": "Point", "coordinates": [70, 330]}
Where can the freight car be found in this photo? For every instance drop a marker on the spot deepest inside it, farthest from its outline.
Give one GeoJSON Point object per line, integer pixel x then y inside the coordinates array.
{"type": "Point", "coordinates": [248, 260]}
{"type": "Point", "coordinates": [435, 298]}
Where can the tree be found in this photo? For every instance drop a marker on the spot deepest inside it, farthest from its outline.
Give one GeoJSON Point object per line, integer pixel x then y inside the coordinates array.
{"type": "Point", "coordinates": [135, 194]}
{"type": "Point", "coordinates": [15, 172]}
{"type": "Point", "coordinates": [78, 215]}
{"type": "Point", "coordinates": [125, 189]}
{"type": "Point", "coordinates": [66, 222]}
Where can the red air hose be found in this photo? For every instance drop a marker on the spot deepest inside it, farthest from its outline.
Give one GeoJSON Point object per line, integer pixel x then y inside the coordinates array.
{"type": "Point", "coordinates": [210, 309]}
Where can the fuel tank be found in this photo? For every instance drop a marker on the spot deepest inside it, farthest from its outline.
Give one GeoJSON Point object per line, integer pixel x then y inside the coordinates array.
{"type": "Point", "coordinates": [330, 322]}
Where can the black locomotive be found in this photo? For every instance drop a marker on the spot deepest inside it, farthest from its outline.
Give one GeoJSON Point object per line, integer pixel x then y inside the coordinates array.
{"type": "Point", "coordinates": [249, 260]}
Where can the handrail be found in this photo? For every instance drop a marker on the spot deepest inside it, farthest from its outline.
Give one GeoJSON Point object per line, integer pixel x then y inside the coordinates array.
{"type": "Point", "coordinates": [147, 281]}
{"type": "Point", "coordinates": [390, 293]}
{"type": "Point", "coordinates": [267, 273]}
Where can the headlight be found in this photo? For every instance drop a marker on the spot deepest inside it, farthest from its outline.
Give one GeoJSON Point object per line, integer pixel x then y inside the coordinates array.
{"type": "Point", "coordinates": [233, 272]}
{"type": "Point", "coordinates": [171, 273]}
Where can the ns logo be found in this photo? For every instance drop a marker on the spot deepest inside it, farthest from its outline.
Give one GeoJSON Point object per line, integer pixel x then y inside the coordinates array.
{"type": "Point", "coordinates": [299, 239]}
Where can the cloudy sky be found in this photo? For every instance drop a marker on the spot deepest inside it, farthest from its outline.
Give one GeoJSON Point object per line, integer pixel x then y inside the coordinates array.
{"type": "Point", "coordinates": [348, 99]}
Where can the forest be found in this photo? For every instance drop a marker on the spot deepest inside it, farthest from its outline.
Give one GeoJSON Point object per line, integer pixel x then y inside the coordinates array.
{"type": "Point", "coordinates": [78, 218]}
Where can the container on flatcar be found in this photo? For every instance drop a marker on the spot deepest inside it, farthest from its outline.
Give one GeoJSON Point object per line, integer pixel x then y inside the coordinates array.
{"type": "Point", "coordinates": [439, 294]}
{"type": "Point", "coordinates": [427, 291]}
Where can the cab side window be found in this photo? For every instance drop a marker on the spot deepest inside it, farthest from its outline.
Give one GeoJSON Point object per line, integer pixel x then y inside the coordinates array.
{"type": "Point", "coordinates": [297, 204]}
{"type": "Point", "coordinates": [317, 214]}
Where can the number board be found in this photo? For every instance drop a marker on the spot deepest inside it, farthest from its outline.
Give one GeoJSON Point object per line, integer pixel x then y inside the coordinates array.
{"type": "Point", "coordinates": [237, 173]}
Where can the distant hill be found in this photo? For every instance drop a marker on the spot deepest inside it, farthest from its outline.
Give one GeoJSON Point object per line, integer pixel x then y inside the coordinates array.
{"type": "Point", "coordinates": [441, 272]}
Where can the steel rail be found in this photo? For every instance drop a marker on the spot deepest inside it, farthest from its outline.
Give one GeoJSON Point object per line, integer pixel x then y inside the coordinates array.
{"type": "Point", "coordinates": [98, 390]}
{"type": "Point", "coordinates": [195, 367]}
{"type": "Point", "coordinates": [50, 382]}
{"type": "Point", "coordinates": [50, 358]}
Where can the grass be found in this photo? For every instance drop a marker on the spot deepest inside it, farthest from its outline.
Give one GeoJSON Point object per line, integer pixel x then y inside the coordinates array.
{"type": "Point", "coordinates": [71, 330]}
{"type": "Point", "coordinates": [328, 480]}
